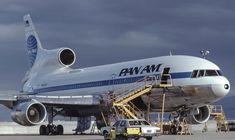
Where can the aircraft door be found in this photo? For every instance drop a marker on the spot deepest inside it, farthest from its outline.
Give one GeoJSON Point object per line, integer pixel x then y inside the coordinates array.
{"type": "Point", "coordinates": [165, 76]}
{"type": "Point", "coordinates": [111, 83]}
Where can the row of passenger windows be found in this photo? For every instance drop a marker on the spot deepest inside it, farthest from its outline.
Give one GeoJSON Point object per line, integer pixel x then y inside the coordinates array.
{"type": "Point", "coordinates": [202, 73]}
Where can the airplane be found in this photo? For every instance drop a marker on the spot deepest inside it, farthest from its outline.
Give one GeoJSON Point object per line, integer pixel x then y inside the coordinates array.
{"type": "Point", "coordinates": [51, 87]}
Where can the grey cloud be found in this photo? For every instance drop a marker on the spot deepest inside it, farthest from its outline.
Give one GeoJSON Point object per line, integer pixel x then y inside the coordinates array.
{"type": "Point", "coordinates": [10, 32]}
{"type": "Point", "coordinates": [119, 30]}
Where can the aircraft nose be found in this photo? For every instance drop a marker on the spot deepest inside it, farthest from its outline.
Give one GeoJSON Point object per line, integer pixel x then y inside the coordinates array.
{"type": "Point", "coordinates": [221, 89]}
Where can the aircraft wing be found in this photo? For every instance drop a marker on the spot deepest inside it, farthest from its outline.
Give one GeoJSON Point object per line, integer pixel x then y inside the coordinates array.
{"type": "Point", "coordinates": [67, 100]}
{"type": "Point", "coordinates": [8, 94]}
{"type": "Point", "coordinates": [8, 98]}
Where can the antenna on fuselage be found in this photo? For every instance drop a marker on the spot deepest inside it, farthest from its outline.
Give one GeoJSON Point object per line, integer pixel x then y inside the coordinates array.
{"type": "Point", "coordinates": [170, 53]}
{"type": "Point", "coordinates": [204, 53]}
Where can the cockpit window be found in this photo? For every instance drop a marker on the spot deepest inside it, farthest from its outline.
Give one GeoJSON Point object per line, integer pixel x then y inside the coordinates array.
{"type": "Point", "coordinates": [194, 74]}
{"type": "Point", "coordinates": [211, 73]}
{"type": "Point", "coordinates": [203, 73]}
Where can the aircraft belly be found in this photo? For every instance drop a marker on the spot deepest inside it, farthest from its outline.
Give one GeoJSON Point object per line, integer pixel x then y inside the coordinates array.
{"type": "Point", "coordinates": [175, 97]}
{"type": "Point", "coordinates": [80, 111]}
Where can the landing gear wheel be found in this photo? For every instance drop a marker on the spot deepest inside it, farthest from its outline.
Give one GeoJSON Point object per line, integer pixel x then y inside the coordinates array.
{"type": "Point", "coordinates": [48, 129]}
{"type": "Point", "coordinates": [173, 130]}
{"type": "Point", "coordinates": [60, 130]}
{"type": "Point", "coordinates": [42, 130]}
{"type": "Point", "coordinates": [51, 129]}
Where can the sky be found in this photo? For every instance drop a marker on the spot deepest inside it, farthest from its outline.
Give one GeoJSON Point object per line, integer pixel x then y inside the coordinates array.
{"type": "Point", "coordinates": [105, 31]}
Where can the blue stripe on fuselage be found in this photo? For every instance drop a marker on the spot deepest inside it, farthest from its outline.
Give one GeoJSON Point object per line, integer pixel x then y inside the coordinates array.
{"type": "Point", "coordinates": [105, 83]}
{"type": "Point", "coordinates": [181, 75]}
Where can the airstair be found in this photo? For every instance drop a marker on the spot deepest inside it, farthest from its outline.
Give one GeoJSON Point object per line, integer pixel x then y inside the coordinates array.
{"type": "Point", "coordinates": [121, 99]}
{"type": "Point", "coordinates": [217, 112]}
{"type": "Point", "coordinates": [122, 105]}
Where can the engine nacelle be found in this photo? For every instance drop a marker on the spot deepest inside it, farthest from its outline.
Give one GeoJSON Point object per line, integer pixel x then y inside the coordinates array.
{"type": "Point", "coordinates": [29, 113]}
{"type": "Point", "coordinates": [199, 115]}
{"type": "Point", "coordinates": [59, 57]}
{"type": "Point", "coordinates": [67, 57]}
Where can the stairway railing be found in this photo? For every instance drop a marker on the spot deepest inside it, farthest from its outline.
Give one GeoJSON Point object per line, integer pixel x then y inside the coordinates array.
{"type": "Point", "coordinates": [138, 85]}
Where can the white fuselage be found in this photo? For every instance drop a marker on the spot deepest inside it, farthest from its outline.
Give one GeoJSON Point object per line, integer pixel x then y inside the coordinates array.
{"type": "Point", "coordinates": [185, 90]}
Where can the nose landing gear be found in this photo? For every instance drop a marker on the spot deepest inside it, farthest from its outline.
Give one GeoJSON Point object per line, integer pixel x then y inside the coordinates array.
{"type": "Point", "coordinates": [179, 124]}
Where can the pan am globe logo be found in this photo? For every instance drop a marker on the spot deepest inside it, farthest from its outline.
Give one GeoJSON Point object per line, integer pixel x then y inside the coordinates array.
{"type": "Point", "coordinates": [32, 49]}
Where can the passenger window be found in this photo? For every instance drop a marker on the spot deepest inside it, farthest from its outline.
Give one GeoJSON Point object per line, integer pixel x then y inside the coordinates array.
{"type": "Point", "coordinates": [194, 74]}
{"type": "Point", "coordinates": [201, 73]}
{"type": "Point", "coordinates": [210, 73]}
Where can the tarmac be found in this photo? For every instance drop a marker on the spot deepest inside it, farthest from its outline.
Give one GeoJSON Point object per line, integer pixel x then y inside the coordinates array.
{"type": "Point", "coordinates": [197, 136]}
{"type": "Point", "coordinates": [13, 131]}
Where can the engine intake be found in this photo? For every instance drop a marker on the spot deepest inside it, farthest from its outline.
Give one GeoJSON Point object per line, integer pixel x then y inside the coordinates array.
{"type": "Point", "coordinates": [202, 115]}
{"type": "Point", "coordinates": [29, 113]}
{"type": "Point", "coordinates": [67, 57]}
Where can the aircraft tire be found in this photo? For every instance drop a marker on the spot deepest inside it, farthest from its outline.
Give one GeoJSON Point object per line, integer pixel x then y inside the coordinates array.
{"type": "Point", "coordinates": [42, 130]}
{"type": "Point", "coordinates": [173, 130]}
{"type": "Point", "coordinates": [60, 130]}
{"type": "Point", "coordinates": [48, 130]}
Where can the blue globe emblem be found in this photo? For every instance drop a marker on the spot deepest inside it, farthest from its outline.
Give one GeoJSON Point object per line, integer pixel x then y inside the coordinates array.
{"type": "Point", "coordinates": [32, 49]}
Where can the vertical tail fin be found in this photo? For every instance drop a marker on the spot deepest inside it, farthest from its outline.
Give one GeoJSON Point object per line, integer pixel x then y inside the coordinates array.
{"type": "Point", "coordinates": [33, 43]}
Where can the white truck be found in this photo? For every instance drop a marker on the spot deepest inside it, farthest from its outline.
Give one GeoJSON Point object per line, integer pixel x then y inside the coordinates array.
{"type": "Point", "coordinates": [130, 128]}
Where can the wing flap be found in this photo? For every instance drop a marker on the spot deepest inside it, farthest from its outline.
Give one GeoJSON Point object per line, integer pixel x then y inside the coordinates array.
{"type": "Point", "coordinates": [66, 100]}
{"type": "Point", "coordinates": [7, 98]}
{"type": "Point", "coordinates": [9, 95]}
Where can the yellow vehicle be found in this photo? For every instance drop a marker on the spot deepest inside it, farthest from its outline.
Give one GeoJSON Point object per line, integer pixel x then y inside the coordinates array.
{"type": "Point", "coordinates": [130, 129]}
{"type": "Point", "coordinates": [129, 134]}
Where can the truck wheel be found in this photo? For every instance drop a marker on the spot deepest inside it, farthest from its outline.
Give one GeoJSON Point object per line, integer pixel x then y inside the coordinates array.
{"type": "Point", "coordinates": [148, 138]}
{"type": "Point", "coordinates": [122, 137]}
{"type": "Point", "coordinates": [42, 130]}
{"type": "Point", "coordinates": [60, 130]}
{"type": "Point", "coordinates": [106, 135]}
{"type": "Point", "coordinates": [119, 137]}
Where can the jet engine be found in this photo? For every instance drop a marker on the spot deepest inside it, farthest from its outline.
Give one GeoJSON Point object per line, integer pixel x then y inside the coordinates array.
{"type": "Point", "coordinates": [29, 113]}
{"type": "Point", "coordinates": [62, 57]}
{"type": "Point", "coordinates": [199, 115]}
{"type": "Point", "coordinates": [67, 57]}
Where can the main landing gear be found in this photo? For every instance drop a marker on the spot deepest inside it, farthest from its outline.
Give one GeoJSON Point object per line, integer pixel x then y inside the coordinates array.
{"type": "Point", "coordinates": [176, 120]}
{"type": "Point", "coordinates": [51, 129]}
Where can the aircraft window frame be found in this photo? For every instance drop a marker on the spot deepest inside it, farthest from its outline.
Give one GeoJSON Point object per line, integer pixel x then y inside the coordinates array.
{"type": "Point", "coordinates": [201, 73]}
{"type": "Point", "coordinates": [194, 74]}
{"type": "Point", "coordinates": [205, 73]}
